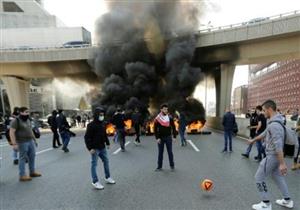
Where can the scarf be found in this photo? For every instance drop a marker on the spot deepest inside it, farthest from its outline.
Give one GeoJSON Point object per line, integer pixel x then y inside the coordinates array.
{"type": "Point", "coordinates": [164, 120]}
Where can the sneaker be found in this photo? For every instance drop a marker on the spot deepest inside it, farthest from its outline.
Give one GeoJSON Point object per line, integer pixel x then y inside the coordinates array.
{"type": "Point", "coordinates": [66, 150]}
{"type": "Point", "coordinates": [172, 168]}
{"type": "Point", "coordinates": [285, 203]}
{"type": "Point", "coordinates": [25, 178]}
{"type": "Point", "coordinates": [158, 169]}
{"type": "Point", "coordinates": [245, 155]}
{"type": "Point", "coordinates": [262, 206]}
{"type": "Point", "coordinates": [35, 174]}
{"type": "Point", "coordinates": [16, 162]}
{"type": "Point", "coordinates": [98, 186]}
{"type": "Point", "coordinates": [110, 181]}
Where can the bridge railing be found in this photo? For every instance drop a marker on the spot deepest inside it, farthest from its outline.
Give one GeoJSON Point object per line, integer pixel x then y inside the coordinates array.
{"type": "Point", "coordinates": [118, 42]}
{"type": "Point", "coordinates": [250, 22]}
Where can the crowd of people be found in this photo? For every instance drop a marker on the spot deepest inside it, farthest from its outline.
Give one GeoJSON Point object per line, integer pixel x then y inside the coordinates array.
{"type": "Point", "coordinates": [267, 132]}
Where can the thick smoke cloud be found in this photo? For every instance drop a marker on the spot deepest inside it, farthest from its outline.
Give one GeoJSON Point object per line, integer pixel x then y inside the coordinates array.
{"type": "Point", "coordinates": [145, 56]}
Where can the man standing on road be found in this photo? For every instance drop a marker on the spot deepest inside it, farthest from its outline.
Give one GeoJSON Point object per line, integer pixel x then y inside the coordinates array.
{"type": "Point", "coordinates": [95, 140]}
{"type": "Point", "coordinates": [273, 164]}
{"type": "Point", "coordinates": [296, 165]}
{"type": "Point", "coordinates": [262, 124]}
{"type": "Point", "coordinates": [63, 127]}
{"type": "Point", "coordinates": [53, 124]}
{"type": "Point", "coordinates": [182, 127]}
{"type": "Point", "coordinates": [22, 139]}
{"type": "Point", "coordinates": [252, 127]}
{"type": "Point", "coordinates": [228, 123]}
{"type": "Point", "coordinates": [137, 122]}
{"type": "Point", "coordinates": [164, 127]}
{"type": "Point", "coordinates": [8, 121]}
{"type": "Point", "coordinates": [118, 121]}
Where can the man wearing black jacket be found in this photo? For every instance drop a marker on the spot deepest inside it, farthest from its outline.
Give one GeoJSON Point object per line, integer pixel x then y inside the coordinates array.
{"type": "Point", "coordinates": [53, 124]}
{"type": "Point", "coordinates": [64, 129]}
{"type": "Point", "coordinates": [95, 140]}
{"type": "Point", "coordinates": [164, 127]}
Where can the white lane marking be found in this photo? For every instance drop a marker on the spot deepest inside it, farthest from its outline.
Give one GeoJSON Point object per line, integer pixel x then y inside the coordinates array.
{"type": "Point", "coordinates": [45, 150]}
{"type": "Point", "coordinates": [193, 145]}
{"type": "Point", "coordinates": [118, 150]}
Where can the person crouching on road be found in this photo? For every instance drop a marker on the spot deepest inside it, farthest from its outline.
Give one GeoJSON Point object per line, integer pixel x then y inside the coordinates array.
{"type": "Point", "coordinates": [95, 140]}
{"type": "Point", "coordinates": [164, 127]}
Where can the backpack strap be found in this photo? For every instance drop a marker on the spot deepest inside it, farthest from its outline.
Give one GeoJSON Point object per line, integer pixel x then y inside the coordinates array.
{"type": "Point", "coordinates": [283, 126]}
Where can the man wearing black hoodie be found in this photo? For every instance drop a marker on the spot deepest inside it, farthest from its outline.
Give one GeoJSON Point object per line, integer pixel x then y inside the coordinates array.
{"type": "Point", "coordinates": [95, 140]}
{"type": "Point", "coordinates": [164, 127]}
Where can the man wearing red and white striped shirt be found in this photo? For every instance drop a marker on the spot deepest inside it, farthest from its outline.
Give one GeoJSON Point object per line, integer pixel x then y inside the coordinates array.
{"type": "Point", "coordinates": [164, 127]}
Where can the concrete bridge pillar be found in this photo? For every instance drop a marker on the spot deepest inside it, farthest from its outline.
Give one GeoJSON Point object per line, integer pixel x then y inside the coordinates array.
{"type": "Point", "coordinates": [223, 87]}
{"type": "Point", "coordinates": [17, 91]}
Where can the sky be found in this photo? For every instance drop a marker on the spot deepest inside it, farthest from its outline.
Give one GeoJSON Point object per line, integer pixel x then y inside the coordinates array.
{"type": "Point", "coordinates": [217, 12]}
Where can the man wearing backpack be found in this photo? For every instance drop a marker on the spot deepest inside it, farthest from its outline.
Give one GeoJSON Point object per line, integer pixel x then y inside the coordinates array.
{"type": "Point", "coordinates": [22, 139]}
{"type": "Point", "coordinates": [273, 164]}
{"type": "Point", "coordinates": [296, 165]}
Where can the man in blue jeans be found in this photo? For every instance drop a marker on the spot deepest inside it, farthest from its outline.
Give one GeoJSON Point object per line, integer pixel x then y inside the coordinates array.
{"type": "Point", "coordinates": [118, 120]}
{"type": "Point", "coordinates": [228, 124]}
{"type": "Point", "coordinates": [63, 128]}
{"type": "Point", "coordinates": [22, 139]}
{"type": "Point", "coordinates": [164, 127]}
{"type": "Point", "coordinates": [95, 140]}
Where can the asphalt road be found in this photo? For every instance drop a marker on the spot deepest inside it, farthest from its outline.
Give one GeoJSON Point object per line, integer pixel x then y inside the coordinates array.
{"type": "Point", "coordinates": [66, 182]}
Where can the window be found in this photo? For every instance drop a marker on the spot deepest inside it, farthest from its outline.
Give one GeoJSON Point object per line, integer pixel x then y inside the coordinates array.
{"type": "Point", "coordinates": [11, 7]}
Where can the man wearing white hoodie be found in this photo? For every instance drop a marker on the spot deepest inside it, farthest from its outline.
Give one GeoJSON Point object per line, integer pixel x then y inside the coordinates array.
{"type": "Point", "coordinates": [273, 164]}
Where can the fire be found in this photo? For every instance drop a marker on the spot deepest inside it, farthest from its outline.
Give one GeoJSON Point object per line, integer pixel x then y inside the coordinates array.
{"type": "Point", "coordinates": [195, 127]}
{"type": "Point", "coordinates": [110, 129]}
{"type": "Point", "coordinates": [128, 124]}
{"type": "Point", "coordinates": [150, 128]}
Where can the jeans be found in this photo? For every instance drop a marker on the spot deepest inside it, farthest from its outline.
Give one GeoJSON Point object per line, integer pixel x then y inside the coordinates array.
{"type": "Point", "coordinates": [26, 151]}
{"type": "Point", "coordinates": [121, 137]}
{"type": "Point", "coordinates": [260, 150]}
{"type": "Point", "coordinates": [228, 136]}
{"type": "Point", "coordinates": [15, 154]}
{"type": "Point", "coordinates": [297, 151]}
{"type": "Point", "coordinates": [65, 136]}
{"type": "Point", "coordinates": [181, 133]}
{"type": "Point", "coordinates": [94, 159]}
{"type": "Point", "coordinates": [168, 142]}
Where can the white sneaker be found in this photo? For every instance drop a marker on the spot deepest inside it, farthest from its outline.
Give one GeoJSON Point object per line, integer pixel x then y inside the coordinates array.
{"type": "Point", "coordinates": [262, 206]}
{"type": "Point", "coordinates": [98, 186]}
{"type": "Point", "coordinates": [285, 203]}
{"type": "Point", "coordinates": [110, 181]}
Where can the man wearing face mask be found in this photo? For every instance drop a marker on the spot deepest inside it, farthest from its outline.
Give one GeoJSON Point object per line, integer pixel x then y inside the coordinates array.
{"type": "Point", "coordinates": [22, 139]}
{"type": "Point", "coordinates": [95, 140]}
{"type": "Point", "coordinates": [164, 127]}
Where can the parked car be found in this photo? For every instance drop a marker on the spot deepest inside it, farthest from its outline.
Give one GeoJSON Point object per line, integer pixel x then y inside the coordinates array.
{"type": "Point", "coordinates": [74, 44]}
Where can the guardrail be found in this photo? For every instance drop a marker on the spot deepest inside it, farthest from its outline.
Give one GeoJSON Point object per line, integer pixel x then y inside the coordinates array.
{"type": "Point", "coordinates": [118, 42]}
{"type": "Point", "coordinates": [249, 23]}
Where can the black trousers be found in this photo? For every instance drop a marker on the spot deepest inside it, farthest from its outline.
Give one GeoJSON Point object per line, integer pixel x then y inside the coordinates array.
{"type": "Point", "coordinates": [137, 132]}
{"type": "Point", "coordinates": [55, 137]}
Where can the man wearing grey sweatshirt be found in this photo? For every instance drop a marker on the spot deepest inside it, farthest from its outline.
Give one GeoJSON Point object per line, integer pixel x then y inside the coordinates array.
{"type": "Point", "coordinates": [273, 164]}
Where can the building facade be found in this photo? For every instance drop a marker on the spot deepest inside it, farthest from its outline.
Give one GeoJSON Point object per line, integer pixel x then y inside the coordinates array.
{"type": "Point", "coordinates": [278, 81]}
{"type": "Point", "coordinates": [240, 100]}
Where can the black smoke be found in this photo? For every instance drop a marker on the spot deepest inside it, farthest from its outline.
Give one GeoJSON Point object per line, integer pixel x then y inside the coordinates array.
{"type": "Point", "coordinates": [145, 55]}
